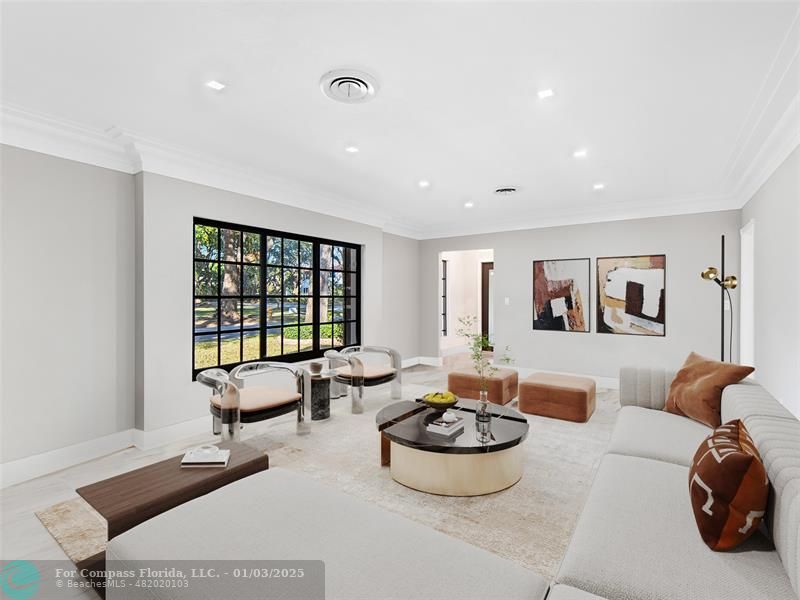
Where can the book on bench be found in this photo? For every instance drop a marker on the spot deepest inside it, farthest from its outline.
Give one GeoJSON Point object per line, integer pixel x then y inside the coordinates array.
{"type": "Point", "coordinates": [205, 456]}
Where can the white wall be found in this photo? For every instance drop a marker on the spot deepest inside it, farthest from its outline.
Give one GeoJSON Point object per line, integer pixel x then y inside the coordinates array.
{"type": "Point", "coordinates": [400, 295]}
{"type": "Point", "coordinates": [169, 205]}
{"type": "Point", "coordinates": [690, 242]}
{"type": "Point", "coordinates": [775, 209]}
{"type": "Point", "coordinates": [67, 354]}
{"type": "Point", "coordinates": [463, 291]}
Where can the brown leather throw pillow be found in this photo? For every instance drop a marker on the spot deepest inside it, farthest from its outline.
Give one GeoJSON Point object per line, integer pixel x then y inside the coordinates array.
{"type": "Point", "coordinates": [728, 487]}
{"type": "Point", "coordinates": [696, 391]}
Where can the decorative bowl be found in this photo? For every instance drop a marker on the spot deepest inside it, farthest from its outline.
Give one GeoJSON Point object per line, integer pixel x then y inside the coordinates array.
{"type": "Point", "coordinates": [440, 405]}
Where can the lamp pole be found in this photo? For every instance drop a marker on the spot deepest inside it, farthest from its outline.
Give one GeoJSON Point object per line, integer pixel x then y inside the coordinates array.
{"type": "Point", "coordinates": [722, 302]}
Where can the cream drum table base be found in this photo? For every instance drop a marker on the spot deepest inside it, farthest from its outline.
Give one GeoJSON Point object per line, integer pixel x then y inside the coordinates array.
{"type": "Point", "coordinates": [456, 474]}
{"type": "Point", "coordinates": [459, 465]}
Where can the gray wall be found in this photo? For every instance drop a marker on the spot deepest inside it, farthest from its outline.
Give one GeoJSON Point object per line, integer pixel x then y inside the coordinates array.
{"type": "Point", "coordinates": [691, 242]}
{"type": "Point", "coordinates": [168, 206]}
{"type": "Point", "coordinates": [400, 294]}
{"type": "Point", "coordinates": [68, 302]}
{"type": "Point", "coordinates": [775, 208]}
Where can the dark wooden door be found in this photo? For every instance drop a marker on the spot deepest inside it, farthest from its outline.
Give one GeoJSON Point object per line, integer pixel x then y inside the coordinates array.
{"type": "Point", "coordinates": [486, 270]}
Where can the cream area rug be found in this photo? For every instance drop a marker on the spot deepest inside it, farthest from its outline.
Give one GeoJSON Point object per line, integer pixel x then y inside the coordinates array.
{"type": "Point", "coordinates": [529, 523]}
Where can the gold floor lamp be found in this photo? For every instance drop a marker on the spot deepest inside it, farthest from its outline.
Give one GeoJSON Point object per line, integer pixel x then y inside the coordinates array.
{"type": "Point", "coordinates": [726, 284]}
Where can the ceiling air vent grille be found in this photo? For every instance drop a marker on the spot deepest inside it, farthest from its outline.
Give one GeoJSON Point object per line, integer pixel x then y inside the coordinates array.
{"type": "Point", "coordinates": [349, 86]}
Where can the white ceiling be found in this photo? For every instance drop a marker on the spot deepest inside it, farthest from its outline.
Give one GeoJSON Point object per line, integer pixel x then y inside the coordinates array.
{"type": "Point", "coordinates": [676, 103]}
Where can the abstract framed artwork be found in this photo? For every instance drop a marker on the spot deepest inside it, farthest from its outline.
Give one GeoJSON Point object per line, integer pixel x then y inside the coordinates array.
{"type": "Point", "coordinates": [561, 295]}
{"type": "Point", "coordinates": [631, 295]}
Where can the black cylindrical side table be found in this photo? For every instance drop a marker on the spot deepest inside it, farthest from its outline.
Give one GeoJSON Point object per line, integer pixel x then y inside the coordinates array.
{"type": "Point", "coordinates": [320, 397]}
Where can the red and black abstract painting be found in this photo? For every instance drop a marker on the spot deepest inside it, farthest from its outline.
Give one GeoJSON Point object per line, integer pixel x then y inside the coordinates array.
{"type": "Point", "coordinates": [561, 294]}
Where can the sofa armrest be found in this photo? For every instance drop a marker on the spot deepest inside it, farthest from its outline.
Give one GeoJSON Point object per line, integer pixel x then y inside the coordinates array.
{"type": "Point", "coordinates": [647, 388]}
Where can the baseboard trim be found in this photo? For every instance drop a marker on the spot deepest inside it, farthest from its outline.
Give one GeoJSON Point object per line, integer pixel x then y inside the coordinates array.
{"type": "Point", "coordinates": [31, 467]}
{"type": "Point", "coordinates": [146, 440]}
{"type": "Point", "coordinates": [410, 362]}
{"type": "Point", "coordinates": [431, 361]}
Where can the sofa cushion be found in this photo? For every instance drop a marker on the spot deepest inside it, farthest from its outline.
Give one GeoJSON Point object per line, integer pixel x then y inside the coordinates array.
{"type": "Point", "coordinates": [728, 487]}
{"type": "Point", "coordinates": [778, 443]}
{"type": "Point", "coordinates": [370, 372]}
{"type": "Point", "coordinates": [636, 538]}
{"type": "Point", "coordinates": [260, 397]}
{"type": "Point", "coordinates": [656, 434]}
{"type": "Point", "coordinates": [368, 552]}
{"type": "Point", "coordinates": [748, 399]}
{"type": "Point", "coordinates": [696, 391]}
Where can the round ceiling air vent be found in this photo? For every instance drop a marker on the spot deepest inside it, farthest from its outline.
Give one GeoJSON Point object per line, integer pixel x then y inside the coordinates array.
{"type": "Point", "coordinates": [347, 85]}
{"type": "Point", "coordinates": [505, 191]}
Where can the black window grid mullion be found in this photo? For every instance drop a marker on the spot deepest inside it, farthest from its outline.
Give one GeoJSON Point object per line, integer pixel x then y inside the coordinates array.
{"type": "Point", "coordinates": [219, 296]}
{"type": "Point", "coordinates": [241, 296]}
{"type": "Point", "coordinates": [317, 319]}
{"type": "Point", "coordinates": [262, 289]}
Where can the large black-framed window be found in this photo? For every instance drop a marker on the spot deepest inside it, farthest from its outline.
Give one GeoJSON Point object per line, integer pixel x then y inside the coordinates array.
{"type": "Point", "coordinates": [260, 293]}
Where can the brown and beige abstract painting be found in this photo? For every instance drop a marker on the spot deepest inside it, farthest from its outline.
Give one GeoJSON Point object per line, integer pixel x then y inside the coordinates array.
{"type": "Point", "coordinates": [631, 295]}
{"type": "Point", "coordinates": [560, 291]}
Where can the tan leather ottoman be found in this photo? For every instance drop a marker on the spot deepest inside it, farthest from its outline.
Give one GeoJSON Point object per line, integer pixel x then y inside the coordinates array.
{"type": "Point", "coordinates": [467, 384]}
{"type": "Point", "coordinates": [558, 396]}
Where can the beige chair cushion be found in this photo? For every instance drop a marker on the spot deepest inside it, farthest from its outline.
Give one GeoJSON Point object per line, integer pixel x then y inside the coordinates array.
{"type": "Point", "coordinates": [260, 397]}
{"type": "Point", "coordinates": [370, 371]}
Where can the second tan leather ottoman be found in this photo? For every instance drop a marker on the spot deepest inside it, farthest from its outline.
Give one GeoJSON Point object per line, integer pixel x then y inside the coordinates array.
{"type": "Point", "coordinates": [558, 396]}
{"type": "Point", "coordinates": [467, 384]}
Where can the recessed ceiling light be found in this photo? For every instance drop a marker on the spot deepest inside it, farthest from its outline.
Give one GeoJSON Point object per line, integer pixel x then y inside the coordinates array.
{"type": "Point", "coordinates": [351, 149]}
{"type": "Point", "coordinates": [548, 93]}
{"type": "Point", "coordinates": [468, 204]}
{"type": "Point", "coordinates": [424, 183]}
{"type": "Point", "coordinates": [215, 85]}
{"type": "Point", "coordinates": [599, 186]}
{"type": "Point", "coordinates": [581, 153]}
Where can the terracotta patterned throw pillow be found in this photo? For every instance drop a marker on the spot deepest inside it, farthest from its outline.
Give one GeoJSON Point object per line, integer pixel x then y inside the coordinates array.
{"type": "Point", "coordinates": [728, 487]}
{"type": "Point", "coordinates": [696, 391]}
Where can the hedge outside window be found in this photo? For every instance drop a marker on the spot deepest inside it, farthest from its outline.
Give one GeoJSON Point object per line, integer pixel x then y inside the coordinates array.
{"type": "Point", "coordinates": [266, 294]}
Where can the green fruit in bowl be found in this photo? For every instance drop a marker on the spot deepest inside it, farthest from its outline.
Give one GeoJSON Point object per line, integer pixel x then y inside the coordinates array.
{"type": "Point", "coordinates": [440, 398]}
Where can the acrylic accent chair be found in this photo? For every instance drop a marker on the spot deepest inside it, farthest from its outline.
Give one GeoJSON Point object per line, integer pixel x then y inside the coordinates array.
{"type": "Point", "coordinates": [351, 371]}
{"type": "Point", "coordinates": [257, 402]}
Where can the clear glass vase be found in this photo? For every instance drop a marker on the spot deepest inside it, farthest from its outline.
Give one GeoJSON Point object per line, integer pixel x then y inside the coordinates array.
{"type": "Point", "coordinates": [483, 419]}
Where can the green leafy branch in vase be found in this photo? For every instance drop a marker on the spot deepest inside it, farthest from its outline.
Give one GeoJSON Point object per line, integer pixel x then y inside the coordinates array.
{"type": "Point", "coordinates": [476, 342]}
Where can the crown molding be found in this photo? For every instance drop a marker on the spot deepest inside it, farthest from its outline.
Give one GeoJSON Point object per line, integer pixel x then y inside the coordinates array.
{"type": "Point", "coordinates": [58, 137]}
{"type": "Point", "coordinates": [780, 143]}
{"type": "Point", "coordinates": [773, 99]}
{"type": "Point", "coordinates": [619, 211]}
{"type": "Point", "coordinates": [128, 152]}
{"type": "Point", "coordinates": [156, 157]}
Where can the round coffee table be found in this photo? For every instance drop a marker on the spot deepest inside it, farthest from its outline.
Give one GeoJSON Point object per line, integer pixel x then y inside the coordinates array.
{"type": "Point", "coordinates": [452, 466]}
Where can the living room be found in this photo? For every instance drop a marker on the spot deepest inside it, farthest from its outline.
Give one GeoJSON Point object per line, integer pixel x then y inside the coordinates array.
{"type": "Point", "coordinates": [496, 293]}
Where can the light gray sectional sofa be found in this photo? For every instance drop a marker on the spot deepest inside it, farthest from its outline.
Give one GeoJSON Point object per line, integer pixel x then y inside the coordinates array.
{"type": "Point", "coordinates": [369, 553]}
{"type": "Point", "coordinates": [636, 538]}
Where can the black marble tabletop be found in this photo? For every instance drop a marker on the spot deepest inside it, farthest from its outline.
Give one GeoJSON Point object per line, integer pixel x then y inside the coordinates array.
{"type": "Point", "coordinates": [405, 423]}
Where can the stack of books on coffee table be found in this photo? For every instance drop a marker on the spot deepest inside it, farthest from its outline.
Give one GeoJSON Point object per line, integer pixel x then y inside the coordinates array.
{"type": "Point", "coordinates": [446, 428]}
